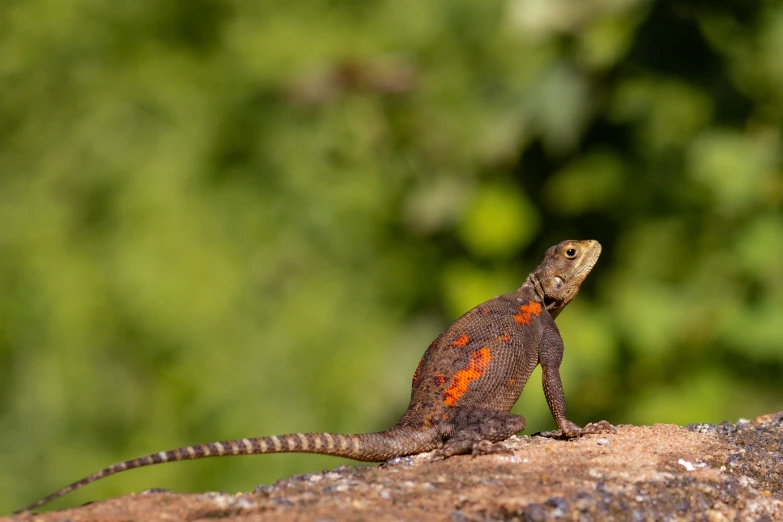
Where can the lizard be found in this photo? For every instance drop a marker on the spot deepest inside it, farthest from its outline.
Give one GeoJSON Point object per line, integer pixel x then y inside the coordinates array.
{"type": "Point", "coordinates": [463, 389]}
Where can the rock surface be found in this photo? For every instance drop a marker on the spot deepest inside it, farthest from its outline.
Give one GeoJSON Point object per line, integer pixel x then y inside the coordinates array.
{"type": "Point", "coordinates": [664, 472]}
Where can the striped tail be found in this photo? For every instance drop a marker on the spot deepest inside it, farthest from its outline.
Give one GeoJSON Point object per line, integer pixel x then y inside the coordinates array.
{"type": "Point", "coordinates": [369, 447]}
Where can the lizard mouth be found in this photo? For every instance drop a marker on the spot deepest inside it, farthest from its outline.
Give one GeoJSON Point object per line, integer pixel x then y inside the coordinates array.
{"type": "Point", "coordinates": [594, 259]}
{"type": "Point", "coordinates": [589, 263]}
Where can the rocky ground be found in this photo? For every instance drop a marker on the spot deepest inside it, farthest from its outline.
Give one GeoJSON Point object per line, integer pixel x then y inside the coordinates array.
{"type": "Point", "coordinates": [664, 472]}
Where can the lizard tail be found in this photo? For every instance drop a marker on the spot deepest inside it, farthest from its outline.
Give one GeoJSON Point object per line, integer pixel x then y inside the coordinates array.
{"type": "Point", "coordinates": [369, 447]}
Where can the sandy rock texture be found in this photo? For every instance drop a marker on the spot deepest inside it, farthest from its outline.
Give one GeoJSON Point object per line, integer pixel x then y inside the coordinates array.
{"type": "Point", "coordinates": [714, 473]}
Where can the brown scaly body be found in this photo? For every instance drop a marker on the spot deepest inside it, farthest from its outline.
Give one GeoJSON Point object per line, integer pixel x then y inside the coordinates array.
{"type": "Point", "coordinates": [463, 388]}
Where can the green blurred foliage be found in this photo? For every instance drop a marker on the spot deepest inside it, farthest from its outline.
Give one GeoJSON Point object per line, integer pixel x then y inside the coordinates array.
{"type": "Point", "coordinates": [224, 218]}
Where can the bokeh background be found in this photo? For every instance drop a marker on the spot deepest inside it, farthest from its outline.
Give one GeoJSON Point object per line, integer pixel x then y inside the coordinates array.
{"type": "Point", "coordinates": [228, 218]}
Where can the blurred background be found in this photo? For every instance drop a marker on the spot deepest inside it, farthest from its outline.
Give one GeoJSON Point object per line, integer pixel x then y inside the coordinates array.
{"type": "Point", "coordinates": [231, 218]}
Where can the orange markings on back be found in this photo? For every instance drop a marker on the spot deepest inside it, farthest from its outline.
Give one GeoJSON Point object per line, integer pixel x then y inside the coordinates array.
{"type": "Point", "coordinates": [505, 338]}
{"type": "Point", "coordinates": [461, 341]}
{"type": "Point", "coordinates": [479, 362]}
{"type": "Point", "coordinates": [440, 379]}
{"type": "Point", "coordinates": [512, 381]}
{"type": "Point", "coordinates": [527, 311]}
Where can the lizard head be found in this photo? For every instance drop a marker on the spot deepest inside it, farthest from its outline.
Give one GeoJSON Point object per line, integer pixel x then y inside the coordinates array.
{"type": "Point", "coordinates": [566, 265]}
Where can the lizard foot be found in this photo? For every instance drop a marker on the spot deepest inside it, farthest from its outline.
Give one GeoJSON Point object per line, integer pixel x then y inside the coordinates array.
{"type": "Point", "coordinates": [598, 427]}
{"type": "Point", "coordinates": [487, 447]}
{"type": "Point", "coordinates": [466, 446]}
{"type": "Point", "coordinates": [553, 434]}
{"type": "Point", "coordinates": [473, 430]}
{"type": "Point", "coordinates": [456, 446]}
{"type": "Point", "coordinates": [570, 430]}
{"type": "Point", "coordinates": [444, 453]}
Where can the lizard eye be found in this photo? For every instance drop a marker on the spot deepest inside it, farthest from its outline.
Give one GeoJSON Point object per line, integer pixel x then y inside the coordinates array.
{"type": "Point", "coordinates": [570, 253]}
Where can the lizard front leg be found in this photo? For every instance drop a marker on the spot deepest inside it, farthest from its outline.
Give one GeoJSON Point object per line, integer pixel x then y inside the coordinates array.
{"type": "Point", "coordinates": [551, 355]}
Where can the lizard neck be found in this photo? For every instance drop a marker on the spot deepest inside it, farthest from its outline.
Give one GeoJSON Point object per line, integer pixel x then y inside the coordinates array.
{"type": "Point", "coordinates": [533, 289]}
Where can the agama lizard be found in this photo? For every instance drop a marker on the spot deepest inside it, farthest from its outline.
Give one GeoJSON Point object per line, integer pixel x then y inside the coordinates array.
{"type": "Point", "coordinates": [463, 388]}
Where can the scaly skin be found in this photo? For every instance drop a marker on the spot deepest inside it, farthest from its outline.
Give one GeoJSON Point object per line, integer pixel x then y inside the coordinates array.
{"type": "Point", "coordinates": [463, 388]}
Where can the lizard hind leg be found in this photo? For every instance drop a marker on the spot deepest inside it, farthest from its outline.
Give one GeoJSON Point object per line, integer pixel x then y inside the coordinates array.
{"type": "Point", "coordinates": [474, 430]}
